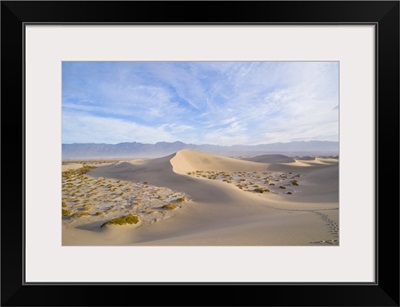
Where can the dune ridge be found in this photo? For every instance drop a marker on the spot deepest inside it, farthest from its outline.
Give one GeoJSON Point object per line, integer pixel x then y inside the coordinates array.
{"type": "Point", "coordinates": [191, 160]}
{"type": "Point", "coordinates": [221, 213]}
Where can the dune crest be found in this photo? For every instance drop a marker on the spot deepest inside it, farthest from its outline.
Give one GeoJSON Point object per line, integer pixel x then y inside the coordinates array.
{"type": "Point", "coordinates": [227, 201]}
{"type": "Point", "coordinates": [188, 160]}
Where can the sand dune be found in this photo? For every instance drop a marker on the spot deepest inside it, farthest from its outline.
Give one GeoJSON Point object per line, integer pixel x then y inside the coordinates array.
{"type": "Point", "coordinates": [191, 160]}
{"type": "Point", "coordinates": [272, 159]}
{"type": "Point", "coordinates": [69, 166]}
{"type": "Point", "coordinates": [221, 213]}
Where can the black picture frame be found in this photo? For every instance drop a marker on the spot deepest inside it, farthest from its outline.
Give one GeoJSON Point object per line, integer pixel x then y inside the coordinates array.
{"type": "Point", "coordinates": [383, 14]}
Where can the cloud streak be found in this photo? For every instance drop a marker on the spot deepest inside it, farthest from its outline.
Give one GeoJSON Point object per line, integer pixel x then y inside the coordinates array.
{"type": "Point", "coordinates": [223, 103]}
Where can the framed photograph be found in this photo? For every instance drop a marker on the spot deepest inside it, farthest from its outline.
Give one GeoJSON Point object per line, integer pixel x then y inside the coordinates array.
{"type": "Point", "coordinates": [241, 146]}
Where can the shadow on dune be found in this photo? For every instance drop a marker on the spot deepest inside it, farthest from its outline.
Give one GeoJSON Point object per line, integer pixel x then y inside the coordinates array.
{"type": "Point", "coordinates": [159, 172]}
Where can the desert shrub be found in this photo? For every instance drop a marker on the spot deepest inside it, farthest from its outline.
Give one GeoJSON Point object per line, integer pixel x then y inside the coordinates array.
{"type": "Point", "coordinates": [98, 213]}
{"type": "Point", "coordinates": [123, 220]}
{"type": "Point", "coordinates": [258, 190]}
{"type": "Point", "coordinates": [261, 190]}
{"type": "Point", "coordinates": [63, 204]}
{"type": "Point", "coordinates": [289, 193]}
{"type": "Point", "coordinates": [80, 214]}
{"type": "Point", "coordinates": [272, 184]}
{"type": "Point", "coordinates": [282, 187]}
{"type": "Point", "coordinates": [170, 206]}
{"type": "Point", "coordinates": [294, 182]}
{"type": "Point", "coordinates": [66, 212]}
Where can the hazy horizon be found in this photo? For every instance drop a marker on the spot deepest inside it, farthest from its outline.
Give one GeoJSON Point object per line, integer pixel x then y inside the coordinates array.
{"type": "Point", "coordinates": [215, 103]}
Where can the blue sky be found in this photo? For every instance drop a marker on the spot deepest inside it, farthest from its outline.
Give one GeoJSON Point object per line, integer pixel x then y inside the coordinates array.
{"type": "Point", "coordinates": [222, 103]}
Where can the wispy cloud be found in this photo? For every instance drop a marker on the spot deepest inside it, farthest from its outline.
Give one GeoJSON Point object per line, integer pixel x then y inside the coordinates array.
{"type": "Point", "coordinates": [86, 128]}
{"type": "Point", "coordinates": [222, 103]}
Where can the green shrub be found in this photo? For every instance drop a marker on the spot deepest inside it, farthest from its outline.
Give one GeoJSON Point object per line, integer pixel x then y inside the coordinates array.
{"type": "Point", "coordinates": [123, 220]}
{"type": "Point", "coordinates": [181, 199]}
{"type": "Point", "coordinates": [170, 206]}
{"type": "Point", "coordinates": [66, 212]}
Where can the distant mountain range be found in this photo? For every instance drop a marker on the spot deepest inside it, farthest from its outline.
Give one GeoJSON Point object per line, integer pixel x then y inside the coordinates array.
{"type": "Point", "coordinates": [140, 150]}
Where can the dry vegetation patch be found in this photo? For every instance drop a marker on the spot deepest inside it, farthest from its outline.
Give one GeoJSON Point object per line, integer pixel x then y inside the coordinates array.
{"type": "Point", "coordinates": [91, 200]}
{"type": "Point", "coordinates": [254, 182]}
{"type": "Point", "coordinates": [123, 220]}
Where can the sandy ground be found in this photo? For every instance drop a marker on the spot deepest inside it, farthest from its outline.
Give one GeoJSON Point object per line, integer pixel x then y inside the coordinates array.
{"type": "Point", "coordinates": [218, 201]}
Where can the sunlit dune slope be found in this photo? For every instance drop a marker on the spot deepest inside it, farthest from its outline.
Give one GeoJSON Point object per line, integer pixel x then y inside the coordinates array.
{"type": "Point", "coordinates": [189, 160]}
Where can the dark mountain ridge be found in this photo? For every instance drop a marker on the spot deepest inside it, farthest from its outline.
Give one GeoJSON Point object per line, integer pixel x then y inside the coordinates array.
{"type": "Point", "coordinates": [141, 150]}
